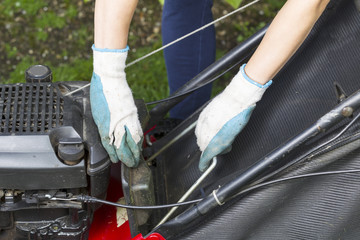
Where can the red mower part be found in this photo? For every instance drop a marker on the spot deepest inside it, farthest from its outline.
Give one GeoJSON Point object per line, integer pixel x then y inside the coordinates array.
{"type": "Point", "coordinates": [104, 225]}
{"type": "Point", "coordinates": [154, 236]}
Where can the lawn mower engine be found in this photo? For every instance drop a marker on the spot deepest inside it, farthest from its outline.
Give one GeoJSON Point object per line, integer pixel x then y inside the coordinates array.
{"type": "Point", "coordinates": [50, 152]}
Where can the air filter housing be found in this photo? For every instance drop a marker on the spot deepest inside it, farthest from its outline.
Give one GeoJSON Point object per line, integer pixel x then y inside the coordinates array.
{"type": "Point", "coordinates": [30, 108]}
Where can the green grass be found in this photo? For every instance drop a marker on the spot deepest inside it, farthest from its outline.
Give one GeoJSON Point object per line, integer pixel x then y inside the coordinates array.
{"type": "Point", "coordinates": [147, 79]}
{"type": "Point", "coordinates": [10, 7]}
{"type": "Point", "coordinates": [78, 70]}
{"type": "Point", "coordinates": [18, 75]}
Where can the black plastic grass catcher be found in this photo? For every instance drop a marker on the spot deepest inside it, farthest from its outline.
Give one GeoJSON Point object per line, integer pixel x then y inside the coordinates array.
{"type": "Point", "coordinates": [303, 125]}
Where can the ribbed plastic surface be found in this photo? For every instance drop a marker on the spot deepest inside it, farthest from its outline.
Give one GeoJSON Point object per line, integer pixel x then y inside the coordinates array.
{"type": "Point", "coordinates": [30, 108]}
{"type": "Point", "coordinates": [315, 208]}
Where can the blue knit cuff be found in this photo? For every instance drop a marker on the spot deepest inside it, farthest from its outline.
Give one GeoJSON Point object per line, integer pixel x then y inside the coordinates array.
{"type": "Point", "coordinates": [242, 70]}
{"type": "Point", "coordinates": [110, 50]}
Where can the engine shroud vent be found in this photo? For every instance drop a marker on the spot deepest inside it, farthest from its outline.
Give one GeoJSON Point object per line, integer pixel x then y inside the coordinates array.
{"type": "Point", "coordinates": [28, 108]}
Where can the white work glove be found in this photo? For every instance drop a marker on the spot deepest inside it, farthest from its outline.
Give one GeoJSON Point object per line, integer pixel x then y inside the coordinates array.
{"type": "Point", "coordinates": [113, 107]}
{"type": "Point", "coordinates": [226, 115]}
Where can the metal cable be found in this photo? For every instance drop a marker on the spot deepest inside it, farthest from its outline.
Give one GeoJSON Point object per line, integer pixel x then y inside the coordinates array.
{"type": "Point", "coordinates": [190, 190]}
{"type": "Point", "coordinates": [191, 33]}
{"type": "Point", "coordinates": [316, 174]}
{"type": "Point", "coordinates": [308, 154]}
{"type": "Point", "coordinates": [175, 41]}
{"type": "Point", "coordinates": [89, 199]}
{"type": "Point", "coordinates": [195, 88]}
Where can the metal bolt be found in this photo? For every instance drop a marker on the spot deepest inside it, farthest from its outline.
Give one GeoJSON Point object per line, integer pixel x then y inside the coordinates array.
{"type": "Point", "coordinates": [9, 197]}
{"type": "Point", "coordinates": [9, 193]}
{"type": "Point", "coordinates": [347, 111]}
{"type": "Point", "coordinates": [17, 193]}
{"type": "Point", "coordinates": [43, 232]}
{"type": "Point", "coordinates": [55, 227]}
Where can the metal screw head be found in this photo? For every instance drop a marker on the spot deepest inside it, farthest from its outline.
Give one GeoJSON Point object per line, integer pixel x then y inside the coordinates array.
{"type": "Point", "coordinates": [9, 193]}
{"type": "Point", "coordinates": [347, 111]}
{"type": "Point", "coordinates": [55, 227]}
{"type": "Point", "coordinates": [43, 232]}
{"type": "Point", "coordinates": [38, 73]}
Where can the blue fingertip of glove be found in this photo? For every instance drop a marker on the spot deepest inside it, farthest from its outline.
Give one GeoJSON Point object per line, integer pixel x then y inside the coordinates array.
{"type": "Point", "coordinates": [225, 137]}
{"type": "Point", "coordinates": [129, 151]}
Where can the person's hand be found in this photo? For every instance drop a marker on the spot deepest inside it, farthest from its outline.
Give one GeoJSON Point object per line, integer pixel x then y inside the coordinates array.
{"type": "Point", "coordinates": [113, 107]}
{"type": "Point", "coordinates": [226, 115]}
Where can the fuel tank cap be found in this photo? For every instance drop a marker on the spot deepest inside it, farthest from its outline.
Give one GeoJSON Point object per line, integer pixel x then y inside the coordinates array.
{"type": "Point", "coordinates": [38, 74]}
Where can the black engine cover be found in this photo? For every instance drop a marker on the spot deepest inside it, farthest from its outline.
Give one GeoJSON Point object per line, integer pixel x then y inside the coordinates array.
{"type": "Point", "coordinates": [49, 146]}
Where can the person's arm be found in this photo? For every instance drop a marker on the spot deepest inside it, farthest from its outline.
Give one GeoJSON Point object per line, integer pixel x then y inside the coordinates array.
{"type": "Point", "coordinates": [112, 22]}
{"type": "Point", "coordinates": [112, 104]}
{"type": "Point", "coordinates": [225, 117]}
{"type": "Point", "coordinates": [285, 35]}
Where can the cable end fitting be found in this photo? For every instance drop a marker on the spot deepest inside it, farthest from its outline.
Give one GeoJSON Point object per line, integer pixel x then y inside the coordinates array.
{"type": "Point", "coordinates": [217, 199]}
{"type": "Point", "coordinates": [84, 198]}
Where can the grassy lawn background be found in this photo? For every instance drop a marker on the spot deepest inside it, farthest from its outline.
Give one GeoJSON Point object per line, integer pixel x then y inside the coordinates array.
{"type": "Point", "coordinates": [60, 34]}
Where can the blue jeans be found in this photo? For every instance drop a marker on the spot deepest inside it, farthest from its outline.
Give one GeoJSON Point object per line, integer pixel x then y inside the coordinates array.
{"type": "Point", "coordinates": [185, 59]}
